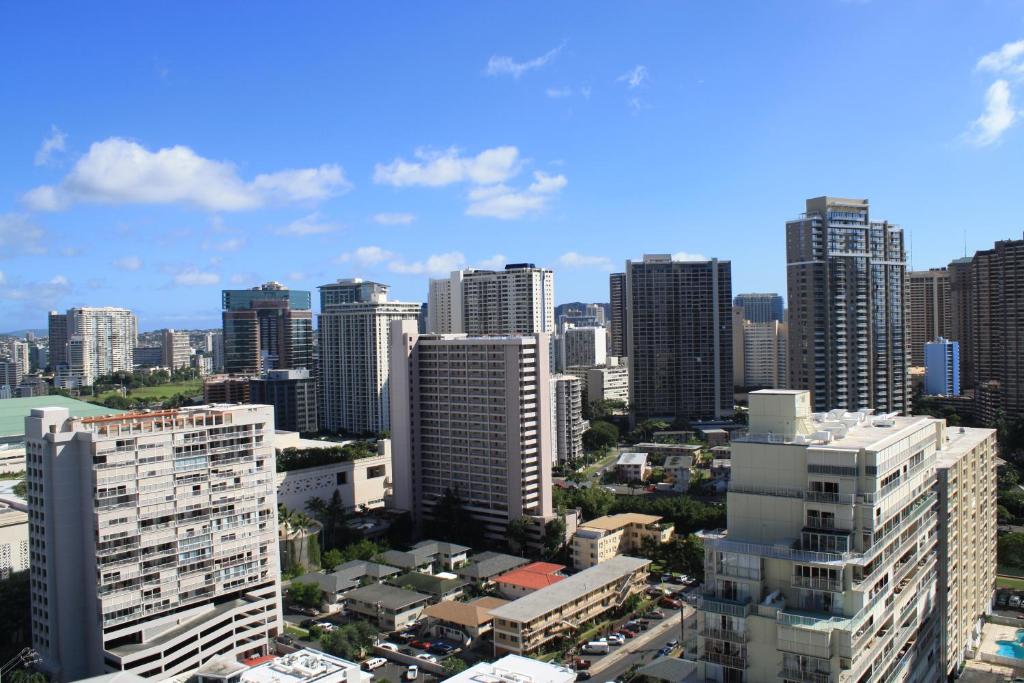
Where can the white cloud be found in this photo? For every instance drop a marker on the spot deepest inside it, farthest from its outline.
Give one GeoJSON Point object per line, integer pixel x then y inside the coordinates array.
{"type": "Point", "coordinates": [313, 224]}
{"type": "Point", "coordinates": [435, 264]}
{"type": "Point", "coordinates": [686, 256]}
{"type": "Point", "coordinates": [3, 278]}
{"type": "Point", "coordinates": [243, 278]}
{"type": "Point", "coordinates": [574, 259]}
{"type": "Point", "coordinates": [70, 251]}
{"type": "Point", "coordinates": [38, 294]}
{"type": "Point", "coordinates": [436, 168]}
{"type": "Point", "coordinates": [507, 66]}
{"type": "Point", "coordinates": [502, 201]}
{"type": "Point", "coordinates": [59, 281]}
{"type": "Point", "coordinates": [193, 277]}
{"type": "Point", "coordinates": [367, 256]}
{"type": "Point", "coordinates": [297, 275]}
{"type": "Point", "coordinates": [496, 262]}
{"type": "Point", "coordinates": [635, 77]}
{"type": "Point", "coordinates": [53, 143]}
{"type": "Point", "coordinates": [1007, 59]}
{"type": "Point", "coordinates": [119, 171]}
{"type": "Point", "coordinates": [998, 116]}
{"type": "Point", "coordinates": [129, 263]}
{"type": "Point", "coordinates": [232, 244]}
{"type": "Point", "coordinates": [19, 235]}
{"type": "Point", "coordinates": [559, 93]}
{"type": "Point", "coordinates": [393, 218]}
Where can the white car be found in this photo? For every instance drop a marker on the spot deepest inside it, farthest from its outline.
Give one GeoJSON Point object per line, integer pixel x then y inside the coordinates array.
{"type": "Point", "coordinates": [390, 647]}
{"type": "Point", "coordinates": [326, 626]}
{"type": "Point", "coordinates": [616, 640]}
{"type": "Point", "coordinates": [427, 658]}
{"type": "Point", "coordinates": [412, 673]}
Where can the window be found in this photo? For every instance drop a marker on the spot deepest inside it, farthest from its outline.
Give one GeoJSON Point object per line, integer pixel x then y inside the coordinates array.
{"type": "Point", "coordinates": [342, 478]}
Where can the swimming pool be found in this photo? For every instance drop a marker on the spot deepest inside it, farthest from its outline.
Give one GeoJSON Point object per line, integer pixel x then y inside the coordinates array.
{"type": "Point", "coordinates": [1012, 648]}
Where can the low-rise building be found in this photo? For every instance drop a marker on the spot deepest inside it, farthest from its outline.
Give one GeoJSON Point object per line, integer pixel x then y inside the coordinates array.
{"type": "Point", "coordinates": [363, 484]}
{"type": "Point", "coordinates": [527, 624]}
{"type": "Point", "coordinates": [347, 577]}
{"type": "Point", "coordinates": [302, 666]}
{"type": "Point", "coordinates": [13, 541]}
{"type": "Point", "coordinates": [632, 467]}
{"type": "Point", "coordinates": [462, 622]}
{"type": "Point", "coordinates": [391, 608]}
{"type": "Point", "coordinates": [529, 578]}
{"type": "Point", "coordinates": [440, 587]}
{"type": "Point", "coordinates": [715, 437]}
{"type": "Point", "coordinates": [514, 669]}
{"type": "Point", "coordinates": [657, 453]}
{"type": "Point", "coordinates": [609, 382]}
{"type": "Point", "coordinates": [427, 557]}
{"type": "Point", "coordinates": [601, 539]}
{"type": "Point", "coordinates": [677, 470]}
{"type": "Point", "coordinates": [487, 565]}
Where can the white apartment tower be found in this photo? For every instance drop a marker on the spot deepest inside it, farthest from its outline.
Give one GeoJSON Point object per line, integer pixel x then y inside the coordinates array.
{"type": "Point", "coordinates": [176, 351]}
{"type": "Point", "coordinates": [471, 415]}
{"type": "Point", "coordinates": [94, 342]}
{"type": "Point", "coordinates": [153, 539]}
{"type": "Point", "coordinates": [354, 325]}
{"type": "Point", "coordinates": [581, 347]}
{"type": "Point", "coordinates": [567, 423]}
{"type": "Point", "coordinates": [517, 300]}
{"type": "Point", "coordinates": [828, 570]}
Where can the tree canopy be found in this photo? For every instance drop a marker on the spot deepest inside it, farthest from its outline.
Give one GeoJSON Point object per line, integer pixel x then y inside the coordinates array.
{"type": "Point", "coordinates": [300, 458]}
{"type": "Point", "coordinates": [600, 435]}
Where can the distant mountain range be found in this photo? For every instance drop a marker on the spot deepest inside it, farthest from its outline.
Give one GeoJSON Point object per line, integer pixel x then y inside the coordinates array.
{"type": "Point", "coordinates": [21, 333]}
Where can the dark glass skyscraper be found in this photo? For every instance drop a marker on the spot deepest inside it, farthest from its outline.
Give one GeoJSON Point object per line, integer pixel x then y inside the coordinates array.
{"type": "Point", "coordinates": [761, 308]}
{"type": "Point", "coordinates": [617, 324]}
{"type": "Point", "coordinates": [267, 327]}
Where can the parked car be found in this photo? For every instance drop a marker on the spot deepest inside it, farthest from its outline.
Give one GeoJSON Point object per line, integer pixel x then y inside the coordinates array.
{"type": "Point", "coordinates": [420, 644]}
{"type": "Point", "coordinates": [412, 673]}
{"type": "Point", "coordinates": [596, 647]}
{"type": "Point", "coordinates": [670, 602]}
{"type": "Point", "coordinates": [1014, 600]}
{"type": "Point", "coordinates": [306, 623]}
{"type": "Point", "coordinates": [616, 639]}
{"type": "Point", "coordinates": [427, 658]}
{"type": "Point", "coordinates": [626, 632]}
{"type": "Point", "coordinates": [663, 652]}
{"type": "Point", "coordinates": [308, 611]}
{"type": "Point", "coordinates": [581, 663]}
{"type": "Point", "coordinates": [667, 578]}
{"type": "Point", "coordinates": [442, 649]}
{"type": "Point", "coordinates": [373, 663]}
{"type": "Point", "coordinates": [326, 626]}
{"type": "Point", "coordinates": [405, 637]}
{"type": "Point", "coordinates": [672, 643]}
{"type": "Point", "coordinates": [655, 614]}
{"type": "Point", "coordinates": [582, 676]}
{"type": "Point", "coordinates": [390, 647]}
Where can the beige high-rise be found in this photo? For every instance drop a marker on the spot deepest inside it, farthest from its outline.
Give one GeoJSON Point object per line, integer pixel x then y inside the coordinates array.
{"type": "Point", "coordinates": [517, 300]}
{"type": "Point", "coordinates": [929, 300]}
{"type": "Point", "coordinates": [176, 351]}
{"type": "Point", "coordinates": [473, 415]}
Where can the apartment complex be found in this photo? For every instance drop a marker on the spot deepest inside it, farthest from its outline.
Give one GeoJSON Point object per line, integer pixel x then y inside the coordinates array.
{"type": "Point", "coordinates": [942, 368]}
{"type": "Point", "coordinates": [847, 324]}
{"type": "Point", "coordinates": [88, 343]}
{"type": "Point", "coordinates": [175, 351]}
{"type": "Point", "coordinates": [601, 539]}
{"type": "Point", "coordinates": [828, 569]}
{"type": "Point", "coordinates": [763, 357]}
{"type": "Point", "coordinates": [293, 395]}
{"type": "Point", "coordinates": [966, 485]}
{"type": "Point", "coordinates": [761, 308]}
{"type": "Point", "coordinates": [930, 312]}
{"type": "Point", "coordinates": [679, 337]}
{"type": "Point", "coordinates": [153, 539]}
{"type": "Point", "coordinates": [960, 315]}
{"type": "Point", "coordinates": [567, 423]}
{"type": "Point", "coordinates": [580, 347]}
{"type": "Point", "coordinates": [523, 626]}
{"type": "Point", "coordinates": [608, 383]}
{"type": "Point", "coordinates": [354, 324]}
{"type": "Point", "coordinates": [471, 415]}
{"type": "Point", "coordinates": [517, 300]}
{"type": "Point", "coordinates": [265, 328]}
{"type": "Point", "coordinates": [618, 323]}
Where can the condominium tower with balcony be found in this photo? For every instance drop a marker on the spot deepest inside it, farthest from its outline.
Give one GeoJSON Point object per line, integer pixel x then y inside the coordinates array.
{"type": "Point", "coordinates": [153, 539]}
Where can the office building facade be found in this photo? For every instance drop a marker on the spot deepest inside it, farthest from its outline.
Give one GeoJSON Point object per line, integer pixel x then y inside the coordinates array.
{"type": "Point", "coordinates": [618, 323]}
{"type": "Point", "coordinates": [930, 312]}
{"type": "Point", "coordinates": [847, 325]}
{"type": "Point", "coordinates": [471, 415]}
{"type": "Point", "coordinates": [354, 327]}
{"type": "Point", "coordinates": [679, 337]}
{"type": "Point", "coordinates": [942, 368]}
{"type": "Point", "coordinates": [267, 327]}
{"type": "Point", "coordinates": [567, 423]}
{"type": "Point", "coordinates": [292, 393]}
{"type": "Point", "coordinates": [153, 539]}
{"type": "Point", "coordinates": [761, 308]}
{"type": "Point", "coordinates": [57, 339]}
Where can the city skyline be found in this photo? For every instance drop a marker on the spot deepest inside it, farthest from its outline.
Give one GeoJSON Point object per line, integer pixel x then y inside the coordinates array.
{"type": "Point", "coordinates": [564, 138]}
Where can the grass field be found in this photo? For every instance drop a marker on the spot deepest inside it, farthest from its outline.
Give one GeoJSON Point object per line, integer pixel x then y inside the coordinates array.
{"type": "Point", "coordinates": [603, 462]}
{"type": "Point", "coordinates": [1011, 582]}
{"type": "Point", "coordinates": [157, 393]}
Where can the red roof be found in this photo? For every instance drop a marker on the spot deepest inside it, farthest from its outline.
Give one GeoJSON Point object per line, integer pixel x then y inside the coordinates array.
{"type": "Point", "coordinates": [256, 661]}
{"type": "Point", "coordinates": [535, 575]}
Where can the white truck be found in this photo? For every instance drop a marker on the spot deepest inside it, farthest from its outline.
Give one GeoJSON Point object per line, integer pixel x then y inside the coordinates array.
{"type": "Point", "coordinates": [596, 647]}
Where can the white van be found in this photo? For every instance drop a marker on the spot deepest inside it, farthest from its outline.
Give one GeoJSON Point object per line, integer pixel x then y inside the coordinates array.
{"type": "Point", "coordinates": [412, 673]}
{"type": "Point", "coordinates": [596, 647]}
{"type": "Point", "coordinates": [374, 663]}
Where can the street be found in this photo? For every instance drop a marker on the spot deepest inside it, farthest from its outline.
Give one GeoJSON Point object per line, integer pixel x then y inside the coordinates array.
{"type": "Point", "coordinates": [639, 650]}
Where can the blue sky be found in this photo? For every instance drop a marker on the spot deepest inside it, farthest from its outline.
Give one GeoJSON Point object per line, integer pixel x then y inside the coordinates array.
{"type": "Point", "coordinates": [152, 154]}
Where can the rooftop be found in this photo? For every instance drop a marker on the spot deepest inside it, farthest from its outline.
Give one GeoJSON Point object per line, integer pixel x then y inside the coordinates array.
{"type": "Point", "coordinates": [615, 522]}
{"type": "Point", "coordinates": [678, 461]}
{"type": "Point", "coordinates": [543, 601]}
{"type": "Point", "coordinates": [435, 585]}
{"type": "Point", "coordinates": [488, 564]}
{"type": "Point", "coordinates": [306, 665]}
{"type": "Point", "coordinates": [471, 614]}
{"type": "Point", "coordinates": [959, 441]}
{"type": "Point", "coordinates": [443, 547]}
{"type": "Point", "coordinates": [632, 459]}
{"type": "Point", "coordinates": [389, 597]}
{"type": "Point", "coordinates": [13, 411]}
{"type": "Point", "coordinates": [535, 575]}
{"type": "Point", "coordinates": [515, 669]}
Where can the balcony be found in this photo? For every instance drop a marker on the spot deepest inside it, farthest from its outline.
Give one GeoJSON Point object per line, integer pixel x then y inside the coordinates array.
{"type": "Point", "coordinates": [730, 608]}
{"type": "Point", "coordinates": [829, 497]}
{"type": "Point", "coordinates": [731, 661]}
{"type": "Point", "coordinates": [727, 635]}
{"type": "Point", "coordinates": [818, 584]}
{"type": "Point", "coordinates": [804, 676]}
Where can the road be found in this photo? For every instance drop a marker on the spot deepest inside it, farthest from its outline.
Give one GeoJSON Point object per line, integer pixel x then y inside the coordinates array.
{"type": "Point", "coordinates": [639, 650]}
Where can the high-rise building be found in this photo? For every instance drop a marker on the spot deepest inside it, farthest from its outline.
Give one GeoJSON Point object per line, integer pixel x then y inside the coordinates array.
{"type": "Point", "coordinates": [960, 315]}
{"type": "Point", "coordinates": [997, 323]}
{"type": "Point", "coordinates": [354, 327]}
{"type": "Point", "coordinates": [764, 354]}
{"type": "Point", "coordinates": [581, 347]}
{"type": "Point", "coordinates": [930, 319]}
{"type": "Point", "coordinates": [942, 368]}
{"type": "Point", "coordinates": [827, 571]}
{"type": "Point", "coordinates": [580, 315]}
{"type": "Point", "coordinates": [567, 424]}
{"type": "Point", "coordinates": [57, 339]}
{"type": "Point", "coordinates": [608, 383]}
{"type": "Point", "coordinates": [679, 337]}
{"type": "Point", "coordinates": [148, 356]}
{"type": "Point", "coordinates": [267, 327]}
{"type": "Point", "coordinates": [847, 325]}
{"type": "Point", "coordinates": [761, 308]}
{"type": "Point", "coordinates": [96, 342]}
{"type": "Point", "coordinates": [471, 415]}
{"type": "Point", "coordinates": [517, 300]}
{"type": "Point", "coordinates": [738, 376]}
{"type": "Point", "coordinates": [618, 323]}
{"type": "Point", "coordinates": [153, 539]}
{"type": "Point", "coordinates": [293, 395]}
{"type": "Point", "coordinates": [966, 470]}
{"type": "Point", "coordinates": [176, 351]}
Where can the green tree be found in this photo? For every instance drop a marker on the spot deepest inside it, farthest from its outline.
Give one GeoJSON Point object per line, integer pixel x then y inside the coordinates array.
{"type": "Point", "coordinates": [646, 429]}
{"type": "Point", "coordinates": [331, 559]}
{"type": "Point", "coordinates": [363, 549]}
{"type": "Point", "coordinates": [350, 641]}
{"type": "Point", "coordinates": [518, 533]}
{"type": "Point", "coordinates": [1010, 549]}
{"type": "Point", "coordinates": [453, 523]}
{"type": "Point", "coordinates": [307, 594]}
{"type": "Point", "coordinates": [454, 665]}
{"type": "Point", "coordinates": [15, 616]}
{"type": "Point", "coordinates": [592, 502]}
{"type": "Point", "coordinates": [554, 534]}
{"type": "Point", "coordinates": [600, 435]}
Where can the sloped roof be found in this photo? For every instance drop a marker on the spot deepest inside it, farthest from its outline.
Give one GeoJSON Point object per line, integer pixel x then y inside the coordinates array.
{"type": "Point", "coordinates": [471, 614]}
